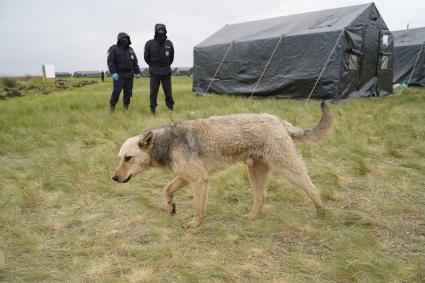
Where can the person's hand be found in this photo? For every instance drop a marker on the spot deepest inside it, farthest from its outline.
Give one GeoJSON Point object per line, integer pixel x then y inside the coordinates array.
{"type": "Point", "coordinates": [137, 76]}
{"type": "Point", "coordinates": [115, 77]}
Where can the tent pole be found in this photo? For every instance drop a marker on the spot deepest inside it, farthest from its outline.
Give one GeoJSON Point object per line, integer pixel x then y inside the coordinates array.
{"type": "Point", "coordinates": [267, 64]}
{"type": "Point", "coordinates": [324, 67]}
{"type": "Point", "coordinates": [219, 66]}
{"type": "Point", "coordinates": [416, 63]}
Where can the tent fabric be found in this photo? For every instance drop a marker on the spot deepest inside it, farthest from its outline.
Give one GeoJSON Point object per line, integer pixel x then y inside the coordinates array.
{"type": "Point", "coordinates": [301, 45]}
{"type": "Point", "coordinates": [409, 56]}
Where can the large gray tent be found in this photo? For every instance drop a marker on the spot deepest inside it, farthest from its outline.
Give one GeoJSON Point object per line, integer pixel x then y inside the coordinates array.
{"type": "Point", "coordinates": [346, 51]}
{"type": "Point", "coordinates": [409, 57]}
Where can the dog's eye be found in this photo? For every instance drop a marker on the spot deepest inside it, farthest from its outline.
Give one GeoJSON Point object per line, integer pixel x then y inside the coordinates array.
{"type": "Point", "coordinates": [127, 158]}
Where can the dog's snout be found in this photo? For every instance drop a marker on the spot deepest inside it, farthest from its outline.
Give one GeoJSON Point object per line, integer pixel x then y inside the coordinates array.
{"type": "Point", "coordinates": [115, 178]}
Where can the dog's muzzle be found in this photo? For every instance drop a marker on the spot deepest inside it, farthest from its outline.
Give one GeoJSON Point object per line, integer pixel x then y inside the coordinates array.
{"type": "Point", "coordinates": [128, 179]}
{"type": "Point", "coordinates": [117, 179]}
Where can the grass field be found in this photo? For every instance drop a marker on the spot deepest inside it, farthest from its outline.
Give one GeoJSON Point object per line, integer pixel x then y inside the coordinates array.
{"type": "Point", "coordinates": [63, 219]}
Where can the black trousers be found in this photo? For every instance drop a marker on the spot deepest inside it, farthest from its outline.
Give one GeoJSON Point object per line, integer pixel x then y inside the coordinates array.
{"type": "Point", "coordinates": [122, 83]}
{"type": "Point", "coordinates": [166, 86]}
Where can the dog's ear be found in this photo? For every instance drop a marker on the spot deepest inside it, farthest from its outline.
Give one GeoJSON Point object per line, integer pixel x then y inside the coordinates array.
{"type": "Point", "coordinates": [146, 140]}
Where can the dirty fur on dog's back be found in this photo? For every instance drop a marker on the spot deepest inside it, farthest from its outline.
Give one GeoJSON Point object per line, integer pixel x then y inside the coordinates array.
{"type": "Point", "coordinates": [218, 141]}
{"type": "Point", "coordinates": [169, 138]}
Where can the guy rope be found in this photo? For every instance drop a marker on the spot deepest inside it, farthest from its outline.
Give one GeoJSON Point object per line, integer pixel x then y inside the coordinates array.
{"type": "Point", "coordinates": [324, 67]}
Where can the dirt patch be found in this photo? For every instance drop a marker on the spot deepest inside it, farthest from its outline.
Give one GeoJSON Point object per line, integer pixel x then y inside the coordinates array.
{"type": "Point", "coordinates": [37, 86]}
{"type": "Point", "coordinates": [83, 83]}
{"type": "Point", "coordinates": [64, 84]}
{"type": "Point", "coordinates": [10, 93]}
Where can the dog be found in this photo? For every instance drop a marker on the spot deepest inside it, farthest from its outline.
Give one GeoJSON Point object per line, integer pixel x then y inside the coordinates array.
{"type": "Point", "coordinates": [196, 148]}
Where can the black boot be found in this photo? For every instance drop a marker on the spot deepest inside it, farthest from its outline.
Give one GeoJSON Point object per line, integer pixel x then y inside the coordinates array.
{"type": "Point", "coordinates": [153, 111]}
{"type": "Point", "coordinates": [112, 109]}
{"type": "Point", "coordinates": [126, 106]}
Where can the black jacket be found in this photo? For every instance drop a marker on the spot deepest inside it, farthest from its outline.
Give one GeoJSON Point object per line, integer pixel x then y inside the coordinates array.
{"type": "Point", "coordinates": [122, 60]}
{"type": "Point", "coordinates": [159, 55]}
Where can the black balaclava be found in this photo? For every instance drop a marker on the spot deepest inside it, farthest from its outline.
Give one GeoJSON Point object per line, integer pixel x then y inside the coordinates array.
{"type": "Point", "coordinates": [161, 37]}
{"type": "Point", "coordinates": [124, 42]}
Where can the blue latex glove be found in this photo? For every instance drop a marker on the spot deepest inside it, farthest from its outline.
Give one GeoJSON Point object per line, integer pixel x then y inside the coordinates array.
{"type": "Point", "coordinates": [137, 76]}
{"type": "Point", "coordinates": [115, 77]}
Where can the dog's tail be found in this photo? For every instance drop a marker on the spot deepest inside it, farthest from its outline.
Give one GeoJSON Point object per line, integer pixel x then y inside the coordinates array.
{"type": "Point", "coordinates": [319, 132]}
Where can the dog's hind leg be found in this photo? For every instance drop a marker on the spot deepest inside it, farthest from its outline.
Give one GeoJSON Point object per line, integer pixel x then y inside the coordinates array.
{"type": "Point", "coordinates": [169, 191]}
{"type": "Point", "coordinates": [200, 193]}
{"type": "Point", "coordinates": [258, 173]}
{"type": "Point", "coordinates": [295, 171]}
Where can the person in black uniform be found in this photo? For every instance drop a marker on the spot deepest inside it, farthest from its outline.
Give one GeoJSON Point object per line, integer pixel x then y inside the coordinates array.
{"type": "Point", "coordinates": [123, 65]}
{"type": "Point", "coordinates": [102, 76]}
{"type": "Point", "coordinates": [159, 55]}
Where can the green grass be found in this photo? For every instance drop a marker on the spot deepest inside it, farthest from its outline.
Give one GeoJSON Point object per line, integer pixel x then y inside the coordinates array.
{"type": "Point", "coordinates": [63, 219]}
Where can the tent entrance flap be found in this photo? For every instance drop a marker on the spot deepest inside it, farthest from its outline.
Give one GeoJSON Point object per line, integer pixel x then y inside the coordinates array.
{"type": "Point", "coordinates": [370, 60]}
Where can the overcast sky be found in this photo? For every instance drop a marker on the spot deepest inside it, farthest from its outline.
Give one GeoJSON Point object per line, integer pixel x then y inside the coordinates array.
{"type": "Point", "coordinates": [75, 35]}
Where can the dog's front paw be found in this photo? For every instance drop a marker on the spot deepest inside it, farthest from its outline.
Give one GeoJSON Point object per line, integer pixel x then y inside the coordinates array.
{"type": "Point", "coordinates": [171, 208]}
{"type": "Point", "coordinates": [191, 225]}
{"type": "Point", "coordinates": [250, 216]}
{"type": "Point", "coordinates": [321, 212]}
